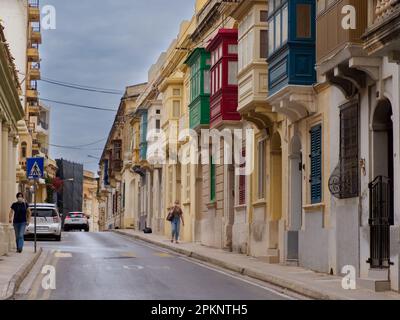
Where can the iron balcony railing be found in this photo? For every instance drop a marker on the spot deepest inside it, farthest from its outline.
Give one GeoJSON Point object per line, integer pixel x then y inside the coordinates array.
{"type": "Point", "coordinates": [380, 219]}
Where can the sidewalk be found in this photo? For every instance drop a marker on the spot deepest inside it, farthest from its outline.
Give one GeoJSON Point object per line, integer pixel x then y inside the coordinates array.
{"type": "Point", "coordinates": [13, 269]}
{"type": "Point", "coordinates": [305, 282]}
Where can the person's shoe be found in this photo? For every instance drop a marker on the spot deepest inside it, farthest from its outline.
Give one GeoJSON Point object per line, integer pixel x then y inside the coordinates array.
{"type": "Point", "coordinates": [176, 242]}
{"type": "Point", "coordinates": [19, 250]}
{"type": "Point", "coordinates": [172, 241]}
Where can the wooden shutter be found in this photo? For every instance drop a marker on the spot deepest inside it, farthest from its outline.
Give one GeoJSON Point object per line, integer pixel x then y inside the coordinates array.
{"type": "Point", "coordinates": [316, 166]}
{"type": "Point", "coordinates": [349, 151]}
{"type": "Point", "coordinates": [242, 181]}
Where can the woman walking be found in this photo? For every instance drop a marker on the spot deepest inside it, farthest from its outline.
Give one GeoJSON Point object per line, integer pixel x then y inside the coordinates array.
{"type": "Point", "coordinates": [175, 216]}
{"type": "Point", "coordinates": [19, 216]}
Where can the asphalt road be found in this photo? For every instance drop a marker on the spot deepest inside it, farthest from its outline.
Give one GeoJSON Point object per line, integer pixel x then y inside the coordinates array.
{"type": "Point", "coordinates": [107, 266]}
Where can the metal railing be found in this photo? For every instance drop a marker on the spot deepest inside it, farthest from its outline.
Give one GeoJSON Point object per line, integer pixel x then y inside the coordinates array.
{"type": "Point", "coordinates": [380, 216]}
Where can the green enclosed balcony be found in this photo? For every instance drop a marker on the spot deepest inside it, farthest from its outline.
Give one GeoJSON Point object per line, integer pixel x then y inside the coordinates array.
{"type": "Point", "coordinates": [199, 107]}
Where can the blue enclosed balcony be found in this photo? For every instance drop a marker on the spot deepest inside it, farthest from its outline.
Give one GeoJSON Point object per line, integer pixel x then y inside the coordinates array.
{"type": "Point", "coordinates": [143, 136]}
{"type": "Point", "coordinates": [291, 56]}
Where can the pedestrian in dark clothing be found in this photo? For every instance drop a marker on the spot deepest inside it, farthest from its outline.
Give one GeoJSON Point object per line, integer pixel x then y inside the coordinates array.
{"type": "Point", "coordinates": [19, 216]}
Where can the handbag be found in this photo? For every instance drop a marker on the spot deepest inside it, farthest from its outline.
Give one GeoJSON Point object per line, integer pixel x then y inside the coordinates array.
{"type": "Point", "coordinates": [170, 216]}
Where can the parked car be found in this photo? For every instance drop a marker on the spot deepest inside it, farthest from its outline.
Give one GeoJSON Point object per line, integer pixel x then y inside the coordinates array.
{"type": "Point", "coordinates": [48, 221]}
{"type": "Point", "coordinates": [76, 221]}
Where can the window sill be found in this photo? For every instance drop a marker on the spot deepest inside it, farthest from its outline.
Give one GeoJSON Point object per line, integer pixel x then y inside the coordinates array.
{"type": "Point", "coordinates": [212, 204]}
{"type": "Point", "coordinates": [259, 203]}
{"type": "Point", "coordinates": [314, 207]}
{"type": "Point", "coordinates": [240, 206]}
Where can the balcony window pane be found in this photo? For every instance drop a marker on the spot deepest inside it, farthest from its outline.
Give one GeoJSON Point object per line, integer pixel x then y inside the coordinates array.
{"type": "Point", "coordinates": [176, 109]}
{"type": "Point", "coordinates": [285, 24]}
{"type": "Point", "coordinates": [271, 36]}
{"type": "Point", "coordinates": [271, 6]}
{"type": "Point", "coordinates": [277, 30]}
{"type": "Point", "coordinates": [220, 76]}
{"type": "Point", "coordinates": [232, 49]}
{"type": "Point", "coordinates": [220, 52]}
{"type": "Point", "coordinates": [303, 27]}
{"type": "Point", "coordinates": [206, 81]}
{"type": "Point", "coordinates": [232, 72]}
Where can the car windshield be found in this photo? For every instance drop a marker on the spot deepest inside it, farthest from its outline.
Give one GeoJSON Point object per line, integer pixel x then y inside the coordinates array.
{"type": "Point", "coordinates": [45, 213]}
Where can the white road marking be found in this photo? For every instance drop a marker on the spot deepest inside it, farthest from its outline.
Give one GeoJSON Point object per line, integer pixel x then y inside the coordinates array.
{"type": "Point", "coordinates": [60, 254]}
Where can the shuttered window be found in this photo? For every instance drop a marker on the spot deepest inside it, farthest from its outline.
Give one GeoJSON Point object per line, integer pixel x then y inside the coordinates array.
{"type": "Point", "coordinates": [242, 182]}
{"type": "Point", "coordinates": [349, 151]}
{"type": "Point", "coordinates": [316, 166]}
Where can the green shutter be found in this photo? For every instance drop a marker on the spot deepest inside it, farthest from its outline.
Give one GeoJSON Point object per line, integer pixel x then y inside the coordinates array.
{"type": "Point", "coordinates": [212, 180]}
{"type": "Point", "coordinates": [316, 165]}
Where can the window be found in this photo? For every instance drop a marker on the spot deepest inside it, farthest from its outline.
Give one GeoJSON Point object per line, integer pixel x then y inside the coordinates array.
{"type": "Point", "coordinates": [349, 151]}
{"type": "Point", "coordinates": [263, 16]}
{"type": "Point", "coordinates": [232, 72]}
{"type": "Point", "coordinates": [158, 111]}
{"type": "Point", "coordinates": [303, 26]}
{"type": "Point", "coordinates": [232, 49]}
{"type": "Point", "coordinates": [316, 165]}
{"type": "Point", "coordinates": [212, 180]}
{"type": "Point", "coordinates": [277, 31]}
{"type": "Point", "coordinates": [23, 149]}
{"type": "Point", "coordinates": [176, 109]}
{"type": "Point", "coordinates": [285, 24]}
{"type": "Point", "coordinates": [263, 44]}
{"type": "Point", "coordinates": [206, 81]}
{"type": "Point", "coordinates": [278, 26]}
{"type": "Point", "coordinates": [271, 39]}
{"type": "Point", "coordinates": [261, 169]}
{"type": "Point", "coordinates": [158, 124]}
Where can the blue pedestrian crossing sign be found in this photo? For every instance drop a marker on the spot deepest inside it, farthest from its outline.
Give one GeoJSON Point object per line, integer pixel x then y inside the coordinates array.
{"type": "Point", "coordinates": [35, 168]}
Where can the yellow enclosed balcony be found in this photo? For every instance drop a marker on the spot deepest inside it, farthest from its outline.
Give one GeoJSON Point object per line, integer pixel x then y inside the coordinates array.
{"type": "Point", "coordinates": [33, 10]}
{"type": "Point", "coordinates": [34, 71]}
{"type": "Point", "coordinates": [35, 33]}
{"type": "Point", "coordinates": [32, 95]}
{"type": "Point", "coordinates": [33, 54]}
{"type": "Point", "coordinates": [33, 109]}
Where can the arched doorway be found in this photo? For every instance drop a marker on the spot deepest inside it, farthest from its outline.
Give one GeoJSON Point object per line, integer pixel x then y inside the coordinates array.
{"type": "Point", "coordinates": [276, 190]}
{"type": "Point", "coordinates": [295, 201]}
{"type": "Point", "coordinates": [381, 188]}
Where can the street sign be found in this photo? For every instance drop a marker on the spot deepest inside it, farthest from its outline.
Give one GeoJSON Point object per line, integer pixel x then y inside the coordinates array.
{"type": "Point", "coordinates": [35, 168]}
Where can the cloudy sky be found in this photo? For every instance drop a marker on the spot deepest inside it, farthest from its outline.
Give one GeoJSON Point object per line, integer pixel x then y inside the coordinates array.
{"type": "Point", "coordinates": [106, 44]}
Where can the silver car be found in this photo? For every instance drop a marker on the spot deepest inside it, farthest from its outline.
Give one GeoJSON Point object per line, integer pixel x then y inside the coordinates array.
{"type": "Point", "coordinates": [48, 221]}
{"type": "Point", "coordinates": [76, 221]}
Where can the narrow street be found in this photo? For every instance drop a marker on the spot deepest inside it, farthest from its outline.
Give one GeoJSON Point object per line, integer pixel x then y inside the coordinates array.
{"type": "Point", "coordinates": [107, 266]}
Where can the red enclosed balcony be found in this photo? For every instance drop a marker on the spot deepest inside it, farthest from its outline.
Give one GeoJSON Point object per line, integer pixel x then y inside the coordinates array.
{"type": "Point", "coordinates": [224, 82]}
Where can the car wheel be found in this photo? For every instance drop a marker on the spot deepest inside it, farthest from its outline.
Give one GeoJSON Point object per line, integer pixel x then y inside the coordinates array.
{"type": "Point", "coordinates": [58, 238]}
{"type": "Point", "coordinates": [87, 230]}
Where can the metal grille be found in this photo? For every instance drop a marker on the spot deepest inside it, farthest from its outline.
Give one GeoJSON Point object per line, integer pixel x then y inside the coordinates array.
{"type": "Point", "coordinates": [380, 208]}
{"type": "Point", "coordinates": [349, 152]}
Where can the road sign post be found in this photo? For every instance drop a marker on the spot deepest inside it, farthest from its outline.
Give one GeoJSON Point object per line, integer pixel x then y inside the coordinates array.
{"type": "Point", "coordinates": [35, 171]}
{"type": "Point", "coordinates": [35, 212]}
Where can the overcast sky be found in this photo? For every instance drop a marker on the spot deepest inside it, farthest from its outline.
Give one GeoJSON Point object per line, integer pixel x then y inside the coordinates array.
{"type": "Point", "coordinates": [101, 43]}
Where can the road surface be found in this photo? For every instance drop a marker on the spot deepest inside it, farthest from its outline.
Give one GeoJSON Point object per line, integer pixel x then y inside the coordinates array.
{"type": "Point", "coordinates": [108, 266]}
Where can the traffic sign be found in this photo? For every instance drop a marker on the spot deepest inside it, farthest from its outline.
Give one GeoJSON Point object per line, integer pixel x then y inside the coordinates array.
{"type": "Point", "coordinates": [35, 168]}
